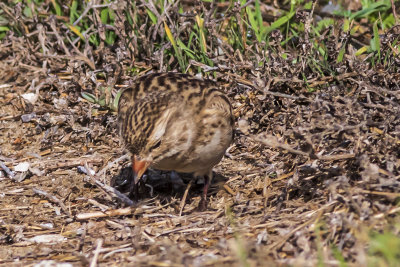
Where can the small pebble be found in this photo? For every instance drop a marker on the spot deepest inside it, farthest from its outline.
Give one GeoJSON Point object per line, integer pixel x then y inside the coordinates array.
{"type": "Point", "coordinates": [28, 117]}
{"type": "Point", "coordinates": [22, 167]}
{"type": "Point", "coordinates": [49, 239]}
{"type": "Point", "coordinates": [30, 97]}
{"type": "Point", "coordinates": [47, 225]}
{"type": "Point", "coordinates": [52, 263]}
{"type": "Point", "coordinates": [82, 169]}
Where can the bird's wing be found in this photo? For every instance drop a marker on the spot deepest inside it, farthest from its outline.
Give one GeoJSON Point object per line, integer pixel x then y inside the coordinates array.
{"type": "Point", "coordinates": [137, 118]}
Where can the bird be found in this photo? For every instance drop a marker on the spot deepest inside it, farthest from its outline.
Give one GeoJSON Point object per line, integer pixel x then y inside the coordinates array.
{"type": "Point", "coordinates": [175, 122]}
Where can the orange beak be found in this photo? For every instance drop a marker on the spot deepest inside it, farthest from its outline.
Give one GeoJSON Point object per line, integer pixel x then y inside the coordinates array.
{"type": "Point", "coordinates": [139, 167]}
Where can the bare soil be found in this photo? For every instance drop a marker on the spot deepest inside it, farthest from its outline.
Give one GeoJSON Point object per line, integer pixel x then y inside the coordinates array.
{"type": "Point", "coordinates": [308, 173]}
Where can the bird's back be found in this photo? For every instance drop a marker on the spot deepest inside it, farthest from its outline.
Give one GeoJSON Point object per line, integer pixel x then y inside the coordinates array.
{"type": "Point", "coordinates": [160, 95]}
{"type": "Point", "coordinates": [191, 88]}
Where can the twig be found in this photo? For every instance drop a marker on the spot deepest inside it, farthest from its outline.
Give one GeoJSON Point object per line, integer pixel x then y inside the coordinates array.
{"type": "Point", "coordinates": [186, 228]}
{"type": "Point", "coordinates": [111, 249]}
{"type": "Point", "coordinates": [246, 4]}
{"type": "Point", "coordinates": [69, 57]}
{"type": "Point", "coordinates": [183, 201]}
{"type": "Point", "coordinates": [394, 11]}
{"type": "Point", "coordinates": [110, 164]}
{"type": "Point", "coordinates": [205, 67]}
{"type": "Point", "coordinates": [243, 82]}
{"type": "Point", "coordinates": [107, 213]}
{"type": "Point", "coordinates": [74, 163]}
{"type": "Point", "coordinates": [283, 240]}
{"type": "Point", "coordinates": [83, 236]}
{"type": "Point", "coordinates": [117, 251]}
{"type": "Point", "coordinates": [379, 193]}
{"type": "Point", "coordinates": [337, 157]}
{"type": "Point", "coordinates": [96, 253]}
{"type": "Point", "coordinates": [32, 156]}
{"type": "Point", "coordinates": [272, 141]}
{"type": "Point", "coordinates": [9, 172]}
{"type": "Point", "coordinates": [390, 211]}
{"type": "Point", "coordinates": [161, 207]}
{"type": "Point", "coordinates": [109, 190]}
{"type": "Point", "coordinates": [53, 199]}
{"type": "Point", "coordinates": [229, 190]}
{"type": "Point", "coordinates": [9, 117]}
{"type": "Point", "coordinates": [59, 39]}
{"type": "Point", "coordinates": [282, 177]}
{"type": "Point", "coordinates": [92, 4]}
{"type": "Point", "coordinates": [277, 94]}
{"type": "Point", "coordinates": [102, 207]}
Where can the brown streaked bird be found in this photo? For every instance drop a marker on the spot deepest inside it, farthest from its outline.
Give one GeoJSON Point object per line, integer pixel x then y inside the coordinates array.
{"type": "Point", "coordinates": [175, 122]}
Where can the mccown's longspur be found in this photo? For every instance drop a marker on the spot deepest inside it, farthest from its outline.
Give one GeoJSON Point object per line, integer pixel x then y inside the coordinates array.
{"type": "Point", "coordinates": [171, 121]}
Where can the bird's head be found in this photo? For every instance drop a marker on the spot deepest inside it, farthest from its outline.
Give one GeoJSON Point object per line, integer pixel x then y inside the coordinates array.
{"type": "Point", "coordinates": [145, 158]}
{"type": "Point", "coordinates": [171, 134]}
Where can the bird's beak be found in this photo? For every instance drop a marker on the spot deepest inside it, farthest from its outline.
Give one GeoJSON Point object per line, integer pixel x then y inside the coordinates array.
{"type": "Point", "coordinates": [139, 167]}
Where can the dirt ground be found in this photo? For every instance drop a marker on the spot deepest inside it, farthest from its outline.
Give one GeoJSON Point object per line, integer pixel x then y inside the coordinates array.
{"type": "Point", "coordinates": [309, 173]}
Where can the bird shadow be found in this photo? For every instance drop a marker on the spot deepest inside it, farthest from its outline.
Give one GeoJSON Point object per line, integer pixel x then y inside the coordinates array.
{"type": "Point", "coordinates": [164, 184]}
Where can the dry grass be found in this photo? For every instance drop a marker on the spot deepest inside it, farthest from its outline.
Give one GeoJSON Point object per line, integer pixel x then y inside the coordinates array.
{"type": "Point", "coordinates": [313, 177]}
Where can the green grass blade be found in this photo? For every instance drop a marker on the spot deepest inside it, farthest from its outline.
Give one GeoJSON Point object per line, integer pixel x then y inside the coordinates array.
{"type": "Point", "coordinates": [4, 28]}
{"type": "Point", "coordinates": [375, 7]}
{"type": "Point", "coordinates": [57, 7]}
{"type": "Point", "coordinates": [258, 14]}
{"type": "Point", "coordinates": [89, 97]}
{"type": "Point", "coordinates": [253, 23]}
{"type": "Point", "coordinates": [376, 45]}
{"type": "Point", "coordinates": [73, 11]}
{"type": "Point", "coordinates": [152, 16]}
{"type": "Point", "coordinates": [177, 51]}
{"type": "Point", "coordinates": [184, 48]}
{"type": "Point", "coordinates": [104, 16]}
{"type": "Point", "coordinates": [339, 257]}
{"type": "Point", "coordinates": [278, 23]}
{"type": "Point", "coordinates": [341, 54]}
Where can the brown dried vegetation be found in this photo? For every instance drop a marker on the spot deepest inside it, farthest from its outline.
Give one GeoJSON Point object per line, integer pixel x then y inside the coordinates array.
{"type": "Point", "coordinates": [315, 165]}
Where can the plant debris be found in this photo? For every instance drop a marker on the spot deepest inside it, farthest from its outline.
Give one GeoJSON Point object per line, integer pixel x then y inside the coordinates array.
{"type": "Point", "coordinates": [313, 174]}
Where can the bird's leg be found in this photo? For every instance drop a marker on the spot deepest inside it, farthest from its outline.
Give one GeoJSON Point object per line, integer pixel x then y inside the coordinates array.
{"type": "Point", "coordinates": [203, 201]}
{"type": "Point", "coordinates": [134, 191]}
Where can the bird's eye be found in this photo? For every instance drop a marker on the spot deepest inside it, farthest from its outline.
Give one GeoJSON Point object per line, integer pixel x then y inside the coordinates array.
{"type": "Point", "coordinates": [156, 145]}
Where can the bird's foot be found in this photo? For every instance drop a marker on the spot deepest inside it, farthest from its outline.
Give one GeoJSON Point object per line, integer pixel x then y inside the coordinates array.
{"type": "Point", "coordinates": [202, 205]}
{"type": "Point", "coordinates": [134, 191]}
